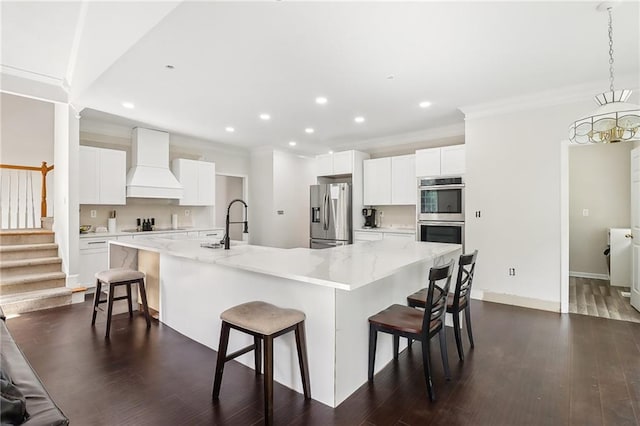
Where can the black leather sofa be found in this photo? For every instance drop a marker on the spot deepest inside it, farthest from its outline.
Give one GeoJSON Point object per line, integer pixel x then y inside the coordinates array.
{"type": "Point", "coordinates": [41, 409]}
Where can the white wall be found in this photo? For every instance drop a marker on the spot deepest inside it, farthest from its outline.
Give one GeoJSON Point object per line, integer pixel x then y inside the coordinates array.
{"type": "Point", "coordinates": [599, 180]}
{"type": "Point", "coordinates": [66, 217]}
{"type": "Point", "coordinates": [514, 178]}
{"type": "Point", "coordinates": [279, 181]}
{"type": "Point", "coordinates": [27, 139]}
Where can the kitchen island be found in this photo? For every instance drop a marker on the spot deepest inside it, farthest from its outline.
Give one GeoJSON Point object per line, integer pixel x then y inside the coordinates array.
{"type": "Point", "coordinates": [337, 288]}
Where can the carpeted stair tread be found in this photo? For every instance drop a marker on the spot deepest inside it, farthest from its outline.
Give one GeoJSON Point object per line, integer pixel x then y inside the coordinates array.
{"type": "Point", "coordinates": [29, 262]}
{"type": "Point", "coordinates": [29, 278]}
{"type": "Point", "coordinates": [24, 247]}
{"type": "Point", "coordinates": [35, 295]}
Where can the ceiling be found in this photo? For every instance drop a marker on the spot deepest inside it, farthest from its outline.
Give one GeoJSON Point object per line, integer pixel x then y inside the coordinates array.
{"type": "Point", "coordinates": [235, 60]}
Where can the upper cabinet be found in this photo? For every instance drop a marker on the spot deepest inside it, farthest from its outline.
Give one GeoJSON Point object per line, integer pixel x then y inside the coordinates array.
{"type": "Point", "coordinates": [445, 161]}
{"type": "Point", "coordinates": [198, 180]}
{"type": "Point", "coordinates": [338, 163]}
{"type": "Point", "coordinates": [390, 180]}
{"type": "Point", "coordinates": [103, 174]}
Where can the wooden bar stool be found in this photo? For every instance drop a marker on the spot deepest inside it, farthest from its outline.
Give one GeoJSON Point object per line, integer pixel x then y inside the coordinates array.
{"type": "Point", "coordinates": [456, 302]}
{"type": "Point", "coordinates": [264, 322]}
{"type": "Point", "coordinates": [113, 278]}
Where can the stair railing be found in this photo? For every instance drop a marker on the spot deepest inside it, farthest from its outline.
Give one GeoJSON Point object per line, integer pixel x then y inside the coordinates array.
{"type": "Point", "coordinates": [17, 195]}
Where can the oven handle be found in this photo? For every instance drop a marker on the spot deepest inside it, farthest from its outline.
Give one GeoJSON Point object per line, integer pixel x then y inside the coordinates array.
{"type": "Point", "coordinates": [433, 222]}
{"type": "Point", "coordinates": [436, 187]}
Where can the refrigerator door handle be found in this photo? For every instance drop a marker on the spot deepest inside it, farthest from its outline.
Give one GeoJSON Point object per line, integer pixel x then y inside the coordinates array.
{"type": "Point", "coordinates": [326, 212]}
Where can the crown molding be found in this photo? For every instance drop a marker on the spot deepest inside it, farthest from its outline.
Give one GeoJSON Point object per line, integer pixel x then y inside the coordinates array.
{"type": "Point", "coordinates": [451, 130]}
{"type": "Point", "coordinates": [547, 98]}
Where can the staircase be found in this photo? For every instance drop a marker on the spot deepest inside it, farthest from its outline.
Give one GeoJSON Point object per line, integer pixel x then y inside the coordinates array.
{"type": "Point", "coordinates": [30, 272]}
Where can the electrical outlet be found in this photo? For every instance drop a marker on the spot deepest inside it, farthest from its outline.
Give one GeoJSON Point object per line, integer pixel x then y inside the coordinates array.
{"type": "Point", "coordinates": [381, 213]}
{"type": "Point", "coordinates": [94, 213]}
{"type": "Point", "coordinates": [585, 212]}
{"type": "Point", "coordinates": [512, 272]}
{"type": "Point", "coordinates": [187, 212]}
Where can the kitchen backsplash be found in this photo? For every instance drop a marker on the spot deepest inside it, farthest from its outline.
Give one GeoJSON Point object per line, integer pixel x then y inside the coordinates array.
{"type": "Point", "coordinates": [397, 216]}
{"type": "Point", "coordinates": [161, 210]}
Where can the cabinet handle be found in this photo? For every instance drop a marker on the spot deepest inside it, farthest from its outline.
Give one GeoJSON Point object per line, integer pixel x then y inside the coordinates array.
{"type": "Point", "coordinates": [96, 242]}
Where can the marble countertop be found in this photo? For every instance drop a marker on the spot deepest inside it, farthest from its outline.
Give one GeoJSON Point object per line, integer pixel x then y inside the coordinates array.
{"type": "Point", "coordinates": [160, 231]}
{"type": "Point", "coordinates": [397, 230]}
{"type": "Point", "coordinates": [347, 267]}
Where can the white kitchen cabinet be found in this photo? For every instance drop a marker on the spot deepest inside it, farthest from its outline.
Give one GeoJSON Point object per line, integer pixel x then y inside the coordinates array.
{"type": "Point", "coordinates": [212, 234]}
{"type": "Point", "coordinates": [452, 160]}
{"type": "Point", "coordinates": [94, 257]}
{"type": "Point", "coordinates": [377, 182]}
{"type": "Point", "coordinates": [338, 163]}
{"type": "Point", "coordinates": [367, 236]}
{"type": "Point", "coordinates": [399, 236]}
{"type": "Point", "coordinates": [428, 162]}
{"type": "Point", "coordinates": [445, 161]}
{"type": "Point", "coordinates": [103, 174]}
{"type": "Point", "coordinates": [198, 181]}
{"type": "Point", "coordinates": [390, 180]}
{"type": "Point", "coordinates": [403, 179]}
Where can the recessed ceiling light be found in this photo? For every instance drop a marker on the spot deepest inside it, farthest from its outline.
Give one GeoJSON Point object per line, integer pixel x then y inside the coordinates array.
{"type": "Point", "coordinates": [169, 67]}
{"type": "Point", "coordinates": [391, 77]}
{"type": "Point", "coordinates": [265, 117]}
{"type": "Point", "coordinates": [128, 105]}
{"type": "Point", "coordinates": [321, 100]}
{"type": "Point", "coordinates": [330, 152]}
{"type": "Point", "coordinates": [230, 129]}
{"type": "Point", "coordinates": [424, 104]}
{"type": "Point", "coordinates": [309, 130]}
{"type": "Point", "coordinates": [292, 143]}
{"type": "Point", "coordinates": [359, 119]}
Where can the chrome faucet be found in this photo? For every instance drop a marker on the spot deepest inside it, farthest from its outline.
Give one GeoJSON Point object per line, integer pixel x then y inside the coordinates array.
{"type": "Point", "coordinates": [226, 239]}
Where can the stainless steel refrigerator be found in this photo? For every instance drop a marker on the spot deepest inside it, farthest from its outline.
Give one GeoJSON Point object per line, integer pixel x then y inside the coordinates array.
{"type": "Point", "coordinates": [330, 215]}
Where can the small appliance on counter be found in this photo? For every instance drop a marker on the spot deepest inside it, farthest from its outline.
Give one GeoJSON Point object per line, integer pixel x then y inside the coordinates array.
{"type": "Point", "coordinates": [145, 224]}
{"type": "Point", "coordinates": [369, 218]}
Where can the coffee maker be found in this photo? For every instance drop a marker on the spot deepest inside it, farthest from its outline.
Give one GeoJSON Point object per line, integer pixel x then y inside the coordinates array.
{"type": "Point", "coordinates": [369, 218]}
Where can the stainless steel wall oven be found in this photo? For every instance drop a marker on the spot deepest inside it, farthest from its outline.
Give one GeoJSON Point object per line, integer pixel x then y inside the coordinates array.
{"type": "Point", "coordinates": [441, 210]}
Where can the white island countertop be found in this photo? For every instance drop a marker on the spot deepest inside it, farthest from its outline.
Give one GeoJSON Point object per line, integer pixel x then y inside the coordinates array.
{"type": "Point", "coordinates": [346, 268]}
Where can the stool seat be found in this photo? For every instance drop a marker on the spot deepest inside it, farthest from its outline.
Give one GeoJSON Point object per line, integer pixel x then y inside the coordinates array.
{"type": "Point", "coordinates": [117, 275]}
{"type": "Point", "coordinates": [261, 317]}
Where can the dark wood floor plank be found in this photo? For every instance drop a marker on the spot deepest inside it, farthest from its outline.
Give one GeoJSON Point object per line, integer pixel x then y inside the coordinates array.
{"type": "Point", "coordinates": [528, 368]}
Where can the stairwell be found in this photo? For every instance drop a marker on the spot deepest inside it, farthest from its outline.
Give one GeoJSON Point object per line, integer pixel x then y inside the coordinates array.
{"type": "Point", "coordinates": [30, 272]}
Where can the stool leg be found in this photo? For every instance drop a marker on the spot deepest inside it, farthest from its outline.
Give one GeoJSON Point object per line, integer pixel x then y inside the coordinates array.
{"type": "Point", "coordinates": [110, 309]}
{"type": "Point", "coordinates": [129, 300]}
{"type": "Point", "coordinates": [96, 301]}
{"type": "Point", "coordinates": [222, 355]}
{"type": "Point", "coordinates": [467, 321]}
{"type": "Point", "coordinates": [143, 295]}
{"type": "Point", "coordinates": [257, 353]}
{"type": "Point", "coordinates": [443, 352]}
{"type": "Point", "coordinates": [456, 333]}
{"type": "Point", "coordinates": [268, 380]}
{"type": "Point", "coordinates": [301, 343]}
{"type": "Point", "coordinates": [373, 340]}
{"type": "Point", "coordinates": [396, 346]}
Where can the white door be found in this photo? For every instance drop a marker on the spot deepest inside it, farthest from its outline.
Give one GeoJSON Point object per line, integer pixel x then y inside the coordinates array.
{"type": "Point", "coordinates": [635, 228]}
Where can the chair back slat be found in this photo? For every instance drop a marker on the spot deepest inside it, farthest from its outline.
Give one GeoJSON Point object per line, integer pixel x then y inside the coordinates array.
{"type": "Point", "coordinates": [439, 284]}
{"type": "Point", "coordinates": [466, 269]}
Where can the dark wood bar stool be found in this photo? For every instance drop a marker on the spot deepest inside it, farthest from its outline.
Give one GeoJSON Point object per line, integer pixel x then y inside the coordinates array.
{"type": "Point", "coordinates": [456, 302]}
{"type": "Point", "coordinates": [264, 322]}
{"type": "Point", "coordinates": [416, 324]}
{"type": "Point", "coordinates": [114, 278]}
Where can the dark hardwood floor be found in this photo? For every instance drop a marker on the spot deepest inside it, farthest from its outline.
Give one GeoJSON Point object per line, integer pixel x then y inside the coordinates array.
{"type": "Point", "coordinates": [528, 368]}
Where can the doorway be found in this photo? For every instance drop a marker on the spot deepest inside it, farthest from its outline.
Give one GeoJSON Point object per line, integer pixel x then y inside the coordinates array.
{"type": "Point", "coordinates": [229, 188]}
{"type": "Point", "coordinates": [599, 206]}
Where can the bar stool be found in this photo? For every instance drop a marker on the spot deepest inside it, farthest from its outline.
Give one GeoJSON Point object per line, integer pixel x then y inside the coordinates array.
{"type": "Point", "coordinates": [113, 278]}
{"type": "Point", "coordinates": [264, 322]}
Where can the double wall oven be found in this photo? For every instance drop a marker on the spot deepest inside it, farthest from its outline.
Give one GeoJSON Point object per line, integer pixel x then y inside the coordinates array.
{"type": "Point", "coordinates": [441, 210]}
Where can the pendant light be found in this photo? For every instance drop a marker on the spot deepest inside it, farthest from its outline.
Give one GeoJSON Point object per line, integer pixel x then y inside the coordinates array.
{"type": "Point", "coordinates": [615, 119]}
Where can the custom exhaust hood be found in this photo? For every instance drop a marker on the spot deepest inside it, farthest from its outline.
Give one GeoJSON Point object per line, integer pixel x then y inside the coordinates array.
{"type": "Point", "coordinates": [149, 175]}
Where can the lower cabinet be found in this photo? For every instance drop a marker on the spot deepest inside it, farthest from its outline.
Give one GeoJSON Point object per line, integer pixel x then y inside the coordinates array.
{"type": "Point", "coordinates": [367, 236]}
{"type": "Point", "coordinates": [399, 236]}
{"type": "Point", "coordinates": [382, 235]}
{"type": "Point", "coordinates": [94, 257]}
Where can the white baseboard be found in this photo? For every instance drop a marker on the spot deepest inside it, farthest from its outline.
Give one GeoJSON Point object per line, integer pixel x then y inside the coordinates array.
{"type": "Point", "coordinates": [588, 275]}
{"type": "Point", "coordinates": [71, 281]}
{"type": "Point", "coordinates": [512, 299]}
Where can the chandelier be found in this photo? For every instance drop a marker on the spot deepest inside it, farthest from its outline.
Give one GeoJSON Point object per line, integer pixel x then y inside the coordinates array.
{"type": "Point", "coordinates": [615, 119]}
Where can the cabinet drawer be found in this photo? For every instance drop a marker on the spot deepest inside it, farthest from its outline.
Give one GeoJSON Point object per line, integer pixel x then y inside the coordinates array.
{"type": "Point", "coordinates": [367, 236]}
{"type": "Point", "coordinates": [95, 243]}
{"type": "Point", "coordinates": [211, 234]}
{"type": "Point", "coordinates": [398, 236]}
